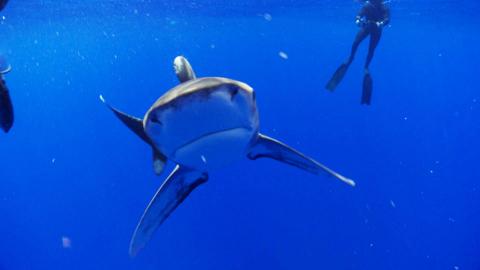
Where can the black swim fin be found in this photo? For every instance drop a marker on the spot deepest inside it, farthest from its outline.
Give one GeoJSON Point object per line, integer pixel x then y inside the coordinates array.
{"type": "Point", "coordinates": [337, 77]}
{"type": "Point", "coordinates": [6, 108]}
{"type": "Point", "coordinates": [367, 89]}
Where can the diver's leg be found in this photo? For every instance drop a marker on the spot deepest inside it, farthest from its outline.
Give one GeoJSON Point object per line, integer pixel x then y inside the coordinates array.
{"type": "Point", "coordinates": [361, 35]}
{"type": "Point", "coordinates": [374, 40]}
{"type": "Point", "coordinates": [342, 69]}
{"type": "Point", "coordinates": [367, 78]}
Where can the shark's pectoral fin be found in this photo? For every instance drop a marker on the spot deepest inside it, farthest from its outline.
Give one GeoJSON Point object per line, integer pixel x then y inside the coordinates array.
{"type": "Point", "coordinates": [136, 125]}
{"type": "Point", "coordinates": [159, 161]}
{"type": "Point", "coordinates": [271, 148]}
{"type": "Point", "coordinates": [179, 184]}
{"type": "Point", "coordinates": [133, 123]}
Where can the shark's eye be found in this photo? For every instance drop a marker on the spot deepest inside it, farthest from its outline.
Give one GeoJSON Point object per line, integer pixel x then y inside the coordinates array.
{"type": "Point", "coordinates": [233, 91]}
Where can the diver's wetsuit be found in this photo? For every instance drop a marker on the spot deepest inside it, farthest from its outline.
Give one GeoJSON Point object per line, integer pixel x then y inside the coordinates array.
{"type": "Point", "coordinates": [6, 108]}
{"type": "Point", "coordinates": [372, 18]}
{"type": "Point", "coordinates": [3, 3]}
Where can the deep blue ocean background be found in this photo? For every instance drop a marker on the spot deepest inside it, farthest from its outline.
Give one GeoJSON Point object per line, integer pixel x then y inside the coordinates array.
{"type": "Point", "coordinates": [70, 169]}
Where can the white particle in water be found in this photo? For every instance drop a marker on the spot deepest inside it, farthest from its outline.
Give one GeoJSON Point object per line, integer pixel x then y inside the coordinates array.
{"type": "Point", "coordinates": [392, 203]}
{"type": "Point", "coordinates": [267, 16]}
{"type": "Point", "coordinates": [283, 55]}
{"type": "Point", "coordinates": [66, 242]}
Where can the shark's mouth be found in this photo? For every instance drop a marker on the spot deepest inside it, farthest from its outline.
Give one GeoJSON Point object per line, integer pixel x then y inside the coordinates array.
{"type": "Point", "coordinates": [212, 134]}
{"type": "Point", "coordinates": [216, 147]}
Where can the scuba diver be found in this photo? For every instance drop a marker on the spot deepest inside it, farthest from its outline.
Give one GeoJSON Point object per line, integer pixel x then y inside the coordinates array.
{"type": "Point", "coordinates": [371, 19]}
{"type": "Point", "coordinates": [3, 3]}
{"type": "Point", "coordinates": [6, 107]}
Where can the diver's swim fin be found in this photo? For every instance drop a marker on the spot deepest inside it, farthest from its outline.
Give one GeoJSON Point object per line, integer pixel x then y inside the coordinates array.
{"type": "Point", "coordinates": [367, 89]}
{"type": "Point", "coordinates": [337, 77]}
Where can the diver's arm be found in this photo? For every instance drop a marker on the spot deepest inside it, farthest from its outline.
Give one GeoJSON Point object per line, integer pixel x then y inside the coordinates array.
{"type": "Point", "coordinates": [359, 19]}
{"type": "Point", "coordinates": [386, 18]}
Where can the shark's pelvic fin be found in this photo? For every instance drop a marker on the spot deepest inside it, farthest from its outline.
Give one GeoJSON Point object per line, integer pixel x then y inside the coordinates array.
{"type": "Point", "coordinates": [183, 69]}
{"type": "Point", "coordinates": [271, 148]}
{"type": "Point", "coordinates": [159, 161]}
{"type": "Point", "coordinates": [178, 185]}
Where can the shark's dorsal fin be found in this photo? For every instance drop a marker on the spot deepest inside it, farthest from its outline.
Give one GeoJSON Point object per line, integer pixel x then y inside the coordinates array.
{"type": "Point", "coordinates": [271, 148]}
{"type": "Point", "coordinates": [136, 125]}
{"type": "Point", "coordinates": [183, 69]}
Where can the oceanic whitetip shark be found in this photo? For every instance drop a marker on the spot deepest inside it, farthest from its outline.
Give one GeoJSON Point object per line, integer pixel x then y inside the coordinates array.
{"type": "Point", "coordinates": [202, 124]}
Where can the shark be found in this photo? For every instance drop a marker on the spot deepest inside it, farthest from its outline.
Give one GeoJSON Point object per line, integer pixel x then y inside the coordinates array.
{"type": "Point", "coordinates": [200, 125]}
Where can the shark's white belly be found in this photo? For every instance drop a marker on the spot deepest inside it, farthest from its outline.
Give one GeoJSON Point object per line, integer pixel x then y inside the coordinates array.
{"type": "Point", "coordinates": [214, 150]}
{"type": "Point", "coordinates": [207, 129]}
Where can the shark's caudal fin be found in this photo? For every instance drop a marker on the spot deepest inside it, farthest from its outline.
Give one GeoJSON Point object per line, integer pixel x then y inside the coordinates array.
{"type": "Point", "coordinates": [183, 69]}
{"type": "Point", "coordinates": [271, 148]}
{"type": "Point", "coordinates": [178, 185]}
{"type": "Point", "coordinates": [136, 125]}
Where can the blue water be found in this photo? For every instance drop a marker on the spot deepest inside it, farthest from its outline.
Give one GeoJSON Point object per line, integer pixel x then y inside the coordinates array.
{"type": "Point", "coordinates": [70, 170]}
